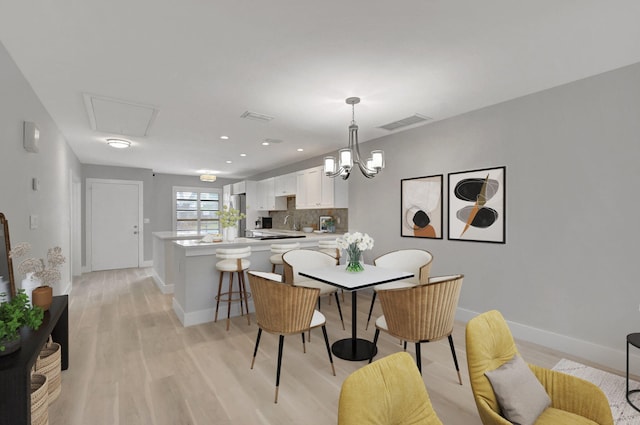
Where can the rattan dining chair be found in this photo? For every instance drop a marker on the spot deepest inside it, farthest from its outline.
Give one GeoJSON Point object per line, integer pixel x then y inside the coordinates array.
{"type": "Point", "coordinates": [416, 261]}
{"type": "Point", "coordinates": [284, 310]}
{"type": "Point", "coordinates": [421, 313]}
{"type": "Point", "coordinates": [298, 259]}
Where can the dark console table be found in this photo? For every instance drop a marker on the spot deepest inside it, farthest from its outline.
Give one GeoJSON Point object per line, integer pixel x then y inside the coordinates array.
{"type": "Point", "coordinates": [15, 368]}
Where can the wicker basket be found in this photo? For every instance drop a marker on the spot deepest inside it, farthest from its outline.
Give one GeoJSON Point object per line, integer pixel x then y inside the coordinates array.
{"type": "Point", "coordinates": [39, 399]}
{"type": "Point", "coordinates": [49, 363]}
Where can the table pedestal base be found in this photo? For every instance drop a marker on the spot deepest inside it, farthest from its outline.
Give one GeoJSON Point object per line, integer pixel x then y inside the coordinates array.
{"type": "Point", "coordinates": [346, 350]}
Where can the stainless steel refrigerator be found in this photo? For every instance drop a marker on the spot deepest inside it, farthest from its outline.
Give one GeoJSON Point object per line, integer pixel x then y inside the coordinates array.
{"type": "Point", "coordinates": [239, 202]}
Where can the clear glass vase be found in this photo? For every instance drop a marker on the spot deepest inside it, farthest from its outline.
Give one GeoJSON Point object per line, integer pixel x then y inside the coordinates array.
{"type": "Point", "coordinates": [354, 263]}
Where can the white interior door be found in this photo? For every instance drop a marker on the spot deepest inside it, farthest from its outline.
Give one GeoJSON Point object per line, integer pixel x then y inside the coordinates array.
{"type": "Point", "coordinates": [115, 232]}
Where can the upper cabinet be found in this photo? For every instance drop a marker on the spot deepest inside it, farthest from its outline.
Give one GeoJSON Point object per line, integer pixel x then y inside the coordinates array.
{"type": "Point", "coordinates": [286, 185]}
{"type": "Point", "coordinates": [239, 188]}
{"type": "Point", "coordinates": [267, 200]}
{"type": "Point", "coordinates": [316, 190]}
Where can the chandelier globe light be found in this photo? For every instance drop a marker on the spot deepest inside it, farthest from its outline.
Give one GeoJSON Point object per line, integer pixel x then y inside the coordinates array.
{"type": "Point", "coordinates": [350, 155]}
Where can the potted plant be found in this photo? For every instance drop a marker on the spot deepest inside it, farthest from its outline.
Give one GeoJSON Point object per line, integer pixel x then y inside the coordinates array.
{"type": "Point", "coordinates": [229, 218]}
{"type": "Point", "coordinates": [37, 270]}
{"type": "Point", "coordinates": [14, 314]}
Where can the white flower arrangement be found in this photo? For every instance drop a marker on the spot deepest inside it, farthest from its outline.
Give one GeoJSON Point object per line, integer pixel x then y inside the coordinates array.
{"type": "Point", "coordinates": [358, 240]}
{"type": "Point", "coordinates": [48, 272]}
{"type": "Point", "coordinates": [229, 216]}
{"type": "Point", "coordinates": [354, 244]}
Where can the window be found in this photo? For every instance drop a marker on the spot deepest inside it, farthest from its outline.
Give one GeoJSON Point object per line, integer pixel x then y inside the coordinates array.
{"type": "Point", "coordinates": [196, 210]}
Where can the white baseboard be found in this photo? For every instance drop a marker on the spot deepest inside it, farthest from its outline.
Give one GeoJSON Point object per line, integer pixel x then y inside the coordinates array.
{"type": "Point", "coordinates": [207, 315]}
{"type": "Point", "coordinates": [162, 286]}
{"type": "Point", "coordinates": [606, 356]}
{"type": "Point", "coordinates": [148, 263]}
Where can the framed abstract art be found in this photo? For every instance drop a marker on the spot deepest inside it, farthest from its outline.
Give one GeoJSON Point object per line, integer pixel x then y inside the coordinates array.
{"type": "Point", "coordinates": [477, 205]}
{"type": "Point", "coordinates": [421, 207]}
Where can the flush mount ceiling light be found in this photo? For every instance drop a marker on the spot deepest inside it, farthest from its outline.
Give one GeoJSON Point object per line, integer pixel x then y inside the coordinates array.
{"type": "Point", "coordinates": [118, 143]}
{"type": "Point", "coordinates": [351, 154]}
{"type": "Point", "coordinates": [208, 178]}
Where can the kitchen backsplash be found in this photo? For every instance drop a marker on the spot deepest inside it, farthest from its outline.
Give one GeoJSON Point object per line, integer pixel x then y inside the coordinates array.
{"type": "Point", "coordinates": [309, 217]}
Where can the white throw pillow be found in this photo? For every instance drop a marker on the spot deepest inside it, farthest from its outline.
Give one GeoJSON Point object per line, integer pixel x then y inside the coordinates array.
{"type": "Point", "coordinates": [521, 397]}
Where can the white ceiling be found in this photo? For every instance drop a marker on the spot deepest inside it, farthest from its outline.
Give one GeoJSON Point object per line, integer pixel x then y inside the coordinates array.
{"type": "Point", "coordinates": [202, 63]}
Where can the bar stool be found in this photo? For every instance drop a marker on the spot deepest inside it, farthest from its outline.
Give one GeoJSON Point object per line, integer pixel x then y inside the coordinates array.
{"type": "Point", "coordinates": [277, 249]}
{"type": "Point", "coordinates": [632, 339]}
{"type": "Point", "coordinates": [234, 260]}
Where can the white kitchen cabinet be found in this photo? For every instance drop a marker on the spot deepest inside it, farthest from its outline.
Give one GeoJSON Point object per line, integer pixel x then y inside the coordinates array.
{"type": "Point", "coordinates": [286, 185]}
{"type": "Point", "coordinates": [267, 200]}
{"type": "Point", "coordinates": [239, 188]}
{"type": "Point", "coordinates": [315, 190]}
{"type": "Point", "coordinates": [301, 190]}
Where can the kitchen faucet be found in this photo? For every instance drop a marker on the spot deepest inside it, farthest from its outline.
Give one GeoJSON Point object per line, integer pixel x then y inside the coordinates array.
{"type": "Point", "coordinates": [293, 224]}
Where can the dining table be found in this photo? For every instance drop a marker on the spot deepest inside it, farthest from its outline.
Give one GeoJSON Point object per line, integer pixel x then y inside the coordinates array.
{"type": "Point", "coordinates": [354, 348]}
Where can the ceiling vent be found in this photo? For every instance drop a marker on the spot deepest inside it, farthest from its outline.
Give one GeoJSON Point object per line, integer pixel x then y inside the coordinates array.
{"type": "Point", "coordinates": [273, 141]}
{"type": "Point", "coordinates": [405, 122]}
{"type": "Point", "coordinates": [256, 116]}
{"type": "Point", "coordinates": [117, 116]}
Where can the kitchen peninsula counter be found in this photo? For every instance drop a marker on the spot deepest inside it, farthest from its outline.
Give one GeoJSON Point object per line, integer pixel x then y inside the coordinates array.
{"type": "Point", "coordinates": [189, 269]}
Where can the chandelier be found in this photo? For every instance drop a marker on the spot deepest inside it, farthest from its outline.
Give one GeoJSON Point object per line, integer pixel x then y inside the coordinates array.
{"type": "Point", "coordinates": [351, 154]}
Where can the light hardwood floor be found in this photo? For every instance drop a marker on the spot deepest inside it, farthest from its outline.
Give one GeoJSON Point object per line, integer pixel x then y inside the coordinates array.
{"type": "Point", "coordinates": [132, 362]}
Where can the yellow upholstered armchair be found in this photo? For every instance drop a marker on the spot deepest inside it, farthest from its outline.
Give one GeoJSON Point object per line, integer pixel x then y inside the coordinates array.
{"type": "Point", "coordinates": [389, 391]}
{"type": "Point", "coordinates": [490, 345]}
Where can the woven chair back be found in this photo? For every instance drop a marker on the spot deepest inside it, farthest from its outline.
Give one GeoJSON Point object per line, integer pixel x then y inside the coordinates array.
{"type": "Point", "coordinates": [424, 312]}
{"type": "Point", "coordinates": [416, 261]}
{"type": "Point", "coordinates": [300, 259]}
{"type": "Point", "coordinates": [282, 309]}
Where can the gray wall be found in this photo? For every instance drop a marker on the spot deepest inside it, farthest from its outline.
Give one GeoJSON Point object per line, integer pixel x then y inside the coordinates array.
{"type": "Point", "coordinates": [53, 165]}
{"type": "Point", "coordinates": [565, 278]}
{"type": "Point", "coordinates": [568, 267]}
{"type": "Point", "coordinates": [157, 195]}
{"type": "Point", "coordinates": [163, 196]}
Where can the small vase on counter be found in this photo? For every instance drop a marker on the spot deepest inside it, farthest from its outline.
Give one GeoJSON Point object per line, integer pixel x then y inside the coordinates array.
{"type": "Point", "coordinates": [229, 234]}
{"type": "Point", "coordinates": [42, 296]}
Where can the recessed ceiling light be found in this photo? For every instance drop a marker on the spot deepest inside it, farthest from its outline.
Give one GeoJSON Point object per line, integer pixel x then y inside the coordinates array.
{"type": "Point", "coordinates": [243, 154]}
{"type": "Point", "coordinates": [118, 143]}
{"type": "Point", "coordinates": [265, 143]}
{"type": "Point", "coordinates": [224, 137]}
{"type": "Point", "coordinates": [229, 162]}
{"type": "Point", "coordinates": [300, 150]}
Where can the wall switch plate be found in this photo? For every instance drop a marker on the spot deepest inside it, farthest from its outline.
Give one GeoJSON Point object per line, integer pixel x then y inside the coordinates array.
{"type": "Point", "coordinates": [33, 221]}
{"type": "Point", "coordinates": [31, 137]}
